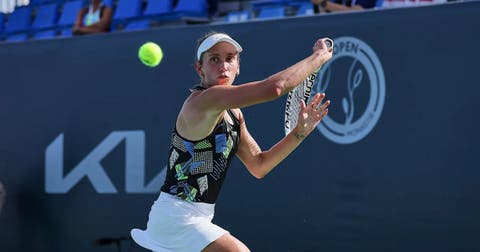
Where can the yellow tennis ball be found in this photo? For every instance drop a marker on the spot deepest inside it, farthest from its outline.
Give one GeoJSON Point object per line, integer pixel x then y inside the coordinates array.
{"type": "Point", "coordinates": [150, 54]}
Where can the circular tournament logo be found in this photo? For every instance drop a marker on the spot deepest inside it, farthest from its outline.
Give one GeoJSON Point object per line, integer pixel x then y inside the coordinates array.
{"type": "Point", "coordinates": [354, 81]}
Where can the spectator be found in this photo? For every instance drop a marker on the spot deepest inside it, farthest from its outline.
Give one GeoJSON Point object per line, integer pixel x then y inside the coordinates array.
{"type": "Point", "coordinates": [342, 5]}
{"type": "Point", "coordinates": [95, 18]}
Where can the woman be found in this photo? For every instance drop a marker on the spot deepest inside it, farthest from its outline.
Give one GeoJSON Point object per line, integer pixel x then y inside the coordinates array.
{"type": "Point", "coordinates": [210, 129]}
{"type": "Point", "coordinates": [95, 18]}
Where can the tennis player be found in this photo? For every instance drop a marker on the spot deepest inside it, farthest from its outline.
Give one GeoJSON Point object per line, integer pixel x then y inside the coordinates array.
{"type": "Point", "coordinates": [210, 129]}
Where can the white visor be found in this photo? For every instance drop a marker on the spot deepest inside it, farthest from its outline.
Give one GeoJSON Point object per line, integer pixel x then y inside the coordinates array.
{"type": "Point", "coordinates": [213, 40]}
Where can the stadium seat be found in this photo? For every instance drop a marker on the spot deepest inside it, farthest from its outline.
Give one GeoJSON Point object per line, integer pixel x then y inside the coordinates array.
{"type": "Point", "coordinates": [192, 8]}
{"type": "Point", "coordinates": [379, 4]}
{"type": "Point", "coordinates": [44, 34]}
{"type": "Point", "coordinates": [2, 18]}
{"type": "Point", "coordinates": [257, 4]}
{"type": "Point", "coordinates": [305, 9]}
{"type": "Point", "coordinates": [137, 25]}
{"type": "Point", "coordinates": [108, 3]}
{"type": "Point", "coordinates": [19, 20]}
{"type": "Point", "coordinates": [238, 16]}
{"type": "Point", "coordinates": [194, 11]}
{"type": "Point", "coordinates": [46, 16]}
{"type": "Point", "coordinates": [155, 7]}
{"type": "Point", "coordinates": [271, 12]}
{"type": "Point", "coordinates": [69, 13]}
{"type": "Point", "coordinates": [127, 9]}
{"type": "Point", "coordinates": [40, 2]}
{"type": "Point", "coordinates": [17, 37]}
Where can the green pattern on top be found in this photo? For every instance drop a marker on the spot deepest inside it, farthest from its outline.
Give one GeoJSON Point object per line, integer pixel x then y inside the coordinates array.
{"type": "Point", "coordinates": [180, 174]}
{"type": "Point", "coordinates": [229, 148]}
{"type": "Point", "coordinates": [192, 194]}
{"type": "Point", "coordinates": [203, 145]}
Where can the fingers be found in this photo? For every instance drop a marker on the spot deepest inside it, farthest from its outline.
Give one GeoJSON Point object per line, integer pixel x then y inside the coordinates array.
{"type": "Point", "coordinates": [325, 105]}
{"type": "Point", "coordinates": [316, 101]}
{"type": "Point", "coordinates": [324, 113]}
{"type": "Point", "coordinates": [302, 105]}
{"type": "Point", "coordinates": [310, 115]}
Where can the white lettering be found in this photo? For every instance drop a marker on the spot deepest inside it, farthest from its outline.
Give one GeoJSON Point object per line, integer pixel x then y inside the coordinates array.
{"type": "Point", "coordinates": [91, 167]}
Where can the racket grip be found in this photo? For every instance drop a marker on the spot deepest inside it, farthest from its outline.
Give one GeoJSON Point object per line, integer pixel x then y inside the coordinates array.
{"type": "Point", "coordinates": [328, 42]}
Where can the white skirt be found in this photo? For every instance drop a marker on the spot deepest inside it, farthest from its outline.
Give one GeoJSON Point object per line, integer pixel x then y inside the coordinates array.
{"type": "Point", "coordinates": [176, 225]}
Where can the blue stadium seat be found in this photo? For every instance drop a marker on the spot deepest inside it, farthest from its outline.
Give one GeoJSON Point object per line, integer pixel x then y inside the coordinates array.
{"type": "Point", "coordinates": [271, 12]}
{"type": "Point", "coordinates": [44, 34]}
{"type": "Point", "coordinates": [40, 2]}
{"type": "Point", "coordinates": [184, 11]}
{"type": "Point", "coordinates": [19, 20]}
{"type": "Point", "coordinates": [17, 37]}
{"type": "Point", "coordinates": [305, 9]}
{"type": "Point", "coordinates": [155, 7]}
{"type": "Point", "coordinates": [69, 13]}
{"type": "Point", "coordinates": [257, 4]}
{"type": "Point", "coordinates": [128, 9]}
{"type": "Point", "coordinates": [192, 8]}
{"type": "Point", "coordinates": [108, 3]}
{"type": "Point", "coordinates": [2, 18]}
{"type": "Point", "coordinates": [238, 16]}
{"type": "Point", "coordinates": [46, 16]}
{"type": "Point", "coordinates": [138, 25]}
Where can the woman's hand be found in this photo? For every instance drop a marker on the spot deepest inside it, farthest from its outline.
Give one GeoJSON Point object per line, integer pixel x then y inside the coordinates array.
{"type": "Point", "coordinates": [320, 45]}
{"type": "Point", "coordinates": [311, 115]}
{"type": "Point", "coordinates": [320, 48]}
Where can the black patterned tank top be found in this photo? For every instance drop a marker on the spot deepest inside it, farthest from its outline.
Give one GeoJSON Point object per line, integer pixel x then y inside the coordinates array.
{"type": "Point", "coordinates": [196, 169]}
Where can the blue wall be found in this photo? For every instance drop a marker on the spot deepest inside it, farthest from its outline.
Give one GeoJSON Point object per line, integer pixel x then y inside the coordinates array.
{"type": "Point", "coordinates": [82, 119]}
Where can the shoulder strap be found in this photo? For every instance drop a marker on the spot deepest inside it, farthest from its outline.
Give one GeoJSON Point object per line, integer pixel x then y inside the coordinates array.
{"type": "Point", "coordinates": [234, 117]}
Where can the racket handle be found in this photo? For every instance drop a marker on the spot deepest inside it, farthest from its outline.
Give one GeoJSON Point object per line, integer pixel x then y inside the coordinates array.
{"type": "Point", "coordinates": [329, 42]}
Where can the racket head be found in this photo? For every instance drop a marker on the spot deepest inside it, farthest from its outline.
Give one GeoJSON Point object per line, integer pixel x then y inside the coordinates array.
{"type": "Point", "coordinates": [299, 93]}
{"type": "Point", "coordinates": [294, 100]}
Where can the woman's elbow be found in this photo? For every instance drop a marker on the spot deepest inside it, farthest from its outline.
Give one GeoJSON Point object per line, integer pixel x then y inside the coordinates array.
{"type": "Point", "coordinates": [258, 175]}
{"type": "Point", "coordinates": [277, 90]}
{"type": "Point", "coordinates": [275, 87]}
{"type": "Point", "coordinates": [257, 172]}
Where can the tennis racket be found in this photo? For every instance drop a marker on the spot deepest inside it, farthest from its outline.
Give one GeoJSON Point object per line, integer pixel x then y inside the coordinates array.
{"type": "Point", "coordinates": [299, 93]}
